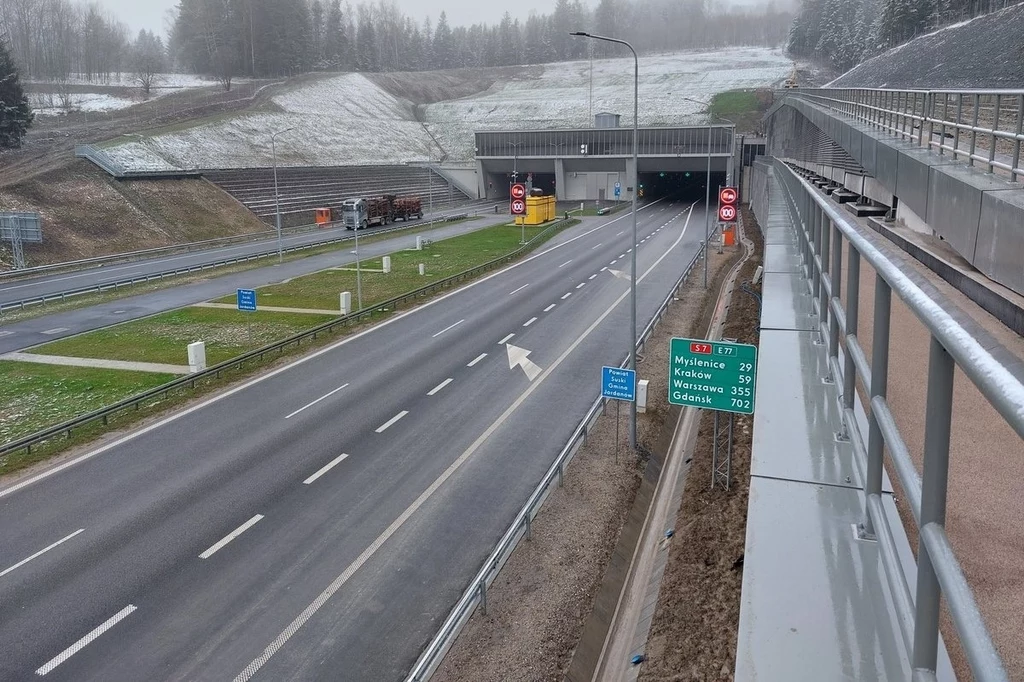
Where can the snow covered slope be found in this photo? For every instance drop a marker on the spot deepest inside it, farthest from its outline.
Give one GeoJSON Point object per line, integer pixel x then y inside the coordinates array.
{"type": "Point", "coordinates": [349, 120]}
{"type": "Point", "coordinates": [986, 52]}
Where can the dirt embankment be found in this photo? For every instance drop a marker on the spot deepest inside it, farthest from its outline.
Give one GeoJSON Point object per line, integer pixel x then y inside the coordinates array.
{"type": "Point", "coordinates": [87, 213]}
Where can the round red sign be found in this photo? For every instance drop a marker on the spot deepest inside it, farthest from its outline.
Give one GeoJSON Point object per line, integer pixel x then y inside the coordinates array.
{"type": "Point", "coordinates": [727, 213]}
{"type": "Point", "coordinates": [728, 195]}
{"type": "Point", "coordinates": [518, 191]}
{"type": "Point", "coordinates": [518, 206]}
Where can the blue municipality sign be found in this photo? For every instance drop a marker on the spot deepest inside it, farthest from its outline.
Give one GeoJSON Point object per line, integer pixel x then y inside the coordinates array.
{"type": "Point", "coordinates": [247, 299]}
{"type": "Point", "coordinates": [619, 384]}
{"type": "Point", "coordinates": [618, 189]}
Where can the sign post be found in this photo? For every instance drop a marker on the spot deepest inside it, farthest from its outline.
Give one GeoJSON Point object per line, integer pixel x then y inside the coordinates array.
{"type": "Point", "coordinates": [518, 207]}
{"type": "Point", "coordinates": [247, 302]}
{"type": "Point", "coordinates": [618, 385]}
{"type": "Point", "coordinates": [716, 375]}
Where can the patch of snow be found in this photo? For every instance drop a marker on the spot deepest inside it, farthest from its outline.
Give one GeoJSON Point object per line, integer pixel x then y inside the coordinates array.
{"type": "Point", "coordinates": [48, 105]}
{"type": "Point", "coordinates": [137, 156]}
{"type": "Point", "coordinates": [348, 120]}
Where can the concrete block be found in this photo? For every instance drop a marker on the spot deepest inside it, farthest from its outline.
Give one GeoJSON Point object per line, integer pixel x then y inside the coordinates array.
{"type": "Point", "coordinates": [419, 243]}
{"type": "Point", "coordinates": [197, 356]}
{"type": "Point", "coordinates": [346, 302]}
{"type": "Point", "coordinates": [1000, 244]}
{"type": "Point", "coordinates": [913, 168]}
{"type": "Point", "coordinates": [386, 264]}
{"type": "Point", "coordinates": [641, 395]}
{"type": "Point", "coordinates": [886, 157]}
{"type": "Point", "coordinates": [423, 269]}
{"type": "Point", "coordinates": [954, 204]}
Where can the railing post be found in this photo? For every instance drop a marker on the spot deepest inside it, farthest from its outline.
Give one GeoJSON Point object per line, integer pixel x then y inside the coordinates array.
{"type": "Point", "coordinates": [879, 388]}
{"type": "Point", "coordinates": [1020, 132]}
{"type": "Point", "coordinates": [824, 249]}
{"type": "Point", "coordinates": [974, 132]}
{"type": "Point", "coordinates": [956, 130]}
{"type": "Point", "coordinates": [929, 113]}
{"type": "Point", "coordinates": [852, 311]}
{"type": "Point", "coordinates": [938, 415]}
{"type": "Point", "coordinates": [835, 278]}
{"type": "Point", "coordinates": [993, 139]}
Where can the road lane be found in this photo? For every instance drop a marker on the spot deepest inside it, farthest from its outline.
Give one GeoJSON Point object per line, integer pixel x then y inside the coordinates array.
{"type": "Point", "coordinates": [231, 469]}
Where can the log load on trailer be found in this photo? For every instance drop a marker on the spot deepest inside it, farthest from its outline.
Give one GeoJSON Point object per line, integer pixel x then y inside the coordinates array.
{"type": "Point", "coordinates": [408, 208]}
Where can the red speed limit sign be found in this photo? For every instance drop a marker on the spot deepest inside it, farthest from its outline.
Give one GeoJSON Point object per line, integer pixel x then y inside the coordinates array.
{"type": "Point", "coordinates": [727, 195]}
{"type": "Point", "coordinates": [518, 207]}
{"type": "Point", "coordinates": [727, 213]}
{"type": "Point", "coordinates": [518, 191]}
{"type": "Point", "coordinates": [727, 210]}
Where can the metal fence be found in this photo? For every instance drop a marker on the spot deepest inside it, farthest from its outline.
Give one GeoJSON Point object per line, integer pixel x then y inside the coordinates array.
{"type": "Point", "coordinates": [174, 272]}
{"type": "Point", "coordinates": [822, 228]}
{"type": "Point", "coordinates": [189, 382]}
{"type": "Point", "coordinates": [983, 127]}
{"type": "Point", "coordinates": [476, 593]}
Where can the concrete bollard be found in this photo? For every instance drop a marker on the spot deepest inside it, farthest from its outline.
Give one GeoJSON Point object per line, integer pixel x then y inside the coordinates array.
{"type": "Point", "coordinates": [419, 243]}
{"type": "Point", "coordinates": [641, 395]}
{"type": "Point", "coordinates": [346, 302]}
{"type": "Point", "coordinates": [197, 356]}
{"type": "Point", "coordinates": [386, 264]}
{"type": "Point", "coordinates": [423, 269]}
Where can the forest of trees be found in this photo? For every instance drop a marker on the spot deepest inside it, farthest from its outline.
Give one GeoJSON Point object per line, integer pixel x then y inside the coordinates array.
{"type": "Point", "coordinates": [53, 39]}
{"type": "Point", "coordinates": [846, 32]}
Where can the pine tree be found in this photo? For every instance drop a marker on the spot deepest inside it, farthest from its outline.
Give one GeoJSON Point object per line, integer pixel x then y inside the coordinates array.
{"type": "Point", "coordinates": [444, 45]}
{"type": "Point", "coordinates": [15, 115]}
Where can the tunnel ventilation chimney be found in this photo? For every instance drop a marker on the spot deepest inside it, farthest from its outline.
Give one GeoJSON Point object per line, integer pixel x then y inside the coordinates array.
{"type": "Point", "coordinates": [606, 120]}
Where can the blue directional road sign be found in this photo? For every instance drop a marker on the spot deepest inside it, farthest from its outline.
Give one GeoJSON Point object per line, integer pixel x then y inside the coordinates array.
{"type": "Point", "coordinates": [247, 299]}
{"type": "Point", "coordinates": [618, 189]}
{"type": "Point", "coordinates": [619, 384]}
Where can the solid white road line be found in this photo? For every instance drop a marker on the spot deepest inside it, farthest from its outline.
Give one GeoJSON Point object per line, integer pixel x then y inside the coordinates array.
{"type": "Point", "coordinates": [82, 643]}
{"type": "Point", "coordinates": [411, 510]}
{"type": "Point", "coordinates": [581, 285]}
{"type": "Point", "coordinates": [565, 263]}
{"type": "Point", "coordinates": [40, 553]}
{"type": "Point", "coordinates": [519, 289]}
{"type": "Point", "coordinates": [333, 463]}
{"type": "Point", "coordinates": [447, 329]}
{"type": "Point", "coordinates": [436, 389]}
{"type": "Point", "coordinates": [530, 321]}
{"type": "Point", "coordinates": [230, 536]}
{"type": "Point", "coordinates": [550, 307]}
{"type": "Point", "coordinates": [477, 359]}
{"type": "Point", "coordinates": [323, 397]}
{"type": "Point", "coordinates": [32, 480]}
{"type": "Point", "coordinates": [505, 340]}
{"type": "Point", "coordinates": [567, 296]}
{"type": "Point", "coordinates": [391, 422]}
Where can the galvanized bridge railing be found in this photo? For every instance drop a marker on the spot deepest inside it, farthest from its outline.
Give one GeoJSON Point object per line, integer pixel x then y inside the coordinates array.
{"type": "Point", "coordinates": [823, 228]}
{"type": "Point", "coordinates": [188, 382]}
{"type": "Point", "coordinates": [476, 593]}
{"type": "Point", "coordinates": [983, 127]}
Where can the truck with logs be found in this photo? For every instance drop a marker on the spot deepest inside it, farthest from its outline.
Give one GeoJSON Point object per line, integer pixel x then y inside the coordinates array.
{"type": "Point", "coordinates": [360, 213]}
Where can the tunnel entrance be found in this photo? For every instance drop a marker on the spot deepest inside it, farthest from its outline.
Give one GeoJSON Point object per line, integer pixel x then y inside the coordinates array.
{"type": "Point", "coordinates": [681, 185]}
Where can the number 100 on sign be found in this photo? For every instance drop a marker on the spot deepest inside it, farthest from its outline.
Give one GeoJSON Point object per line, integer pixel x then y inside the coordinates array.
{"type": "Point", "coordinates": [712, 374]}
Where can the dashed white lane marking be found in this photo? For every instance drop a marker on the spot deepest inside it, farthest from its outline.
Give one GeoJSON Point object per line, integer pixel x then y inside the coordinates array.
{"type": "Point", "coordinates": [565, 263]}
{"type": "Point", "coordinates": [448, 329]}
{"type": "Point", "coordinates": [550, 308]}
{"type": "Point", "coordinates": [581, 285]}
{"type": "Point", "coordinates": [391, 422]}
{"type": "Point", "coordinates": [530, 321]}
{"type": "Point", "coordinates": [604, 268]}
{"type": "Point", "coordinates": [591, 277]}
{"type": "Point", "coordinates": [519, 289]}
{"type": "Point", "coordinates": [440, 386]}
{"type": "Point", "coordinates": [629, 250]}
{"type": "Point", "coordinates": [505, 340]}
{"type": "Point", "coordinates": [477, 359]}
{"type": "Point", "coordinates": [323, 397]}
{"type": "Point", "coordinates": [40, 553]}
{"type": "Point", "coordinates": [614, 262]}
{"type": "Point", "coordinates": [619, 234]}
{"type": "Point", "coordinates": [84, 642]}
{"type": "Point", "coordinates": [596, 247]}
{"type": "Point", "coordinates": [6, 333]}
{"type": "Point", "coordinates": [230, 536]}
{"type": "Point", "coordinates": [623, 255]}
{"type": "Point", "coordinates": [330, 465]}
{"type": "Point", "coordinates": [56, 330]}
{"type": "Point", "coordinates": [567, 296]}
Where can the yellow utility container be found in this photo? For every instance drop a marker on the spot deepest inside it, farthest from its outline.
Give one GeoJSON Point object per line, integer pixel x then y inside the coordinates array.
{"type": "Point", "coordinates": [539, 210]}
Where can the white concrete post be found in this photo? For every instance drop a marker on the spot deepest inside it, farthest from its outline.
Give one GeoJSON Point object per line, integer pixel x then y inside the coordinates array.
{"type": "Point", "coordinates": [197, 356]}
{"type": "Point", "coordinates": [423, 269]}
{"type": "Point", "coordinates": [386, 263]}
{"type": "Point", "coordinates": [346, 302]}
{"type": "Point", "coordinates": [419, 243]}
{"type": "Point", "coordinates": [641, 395]}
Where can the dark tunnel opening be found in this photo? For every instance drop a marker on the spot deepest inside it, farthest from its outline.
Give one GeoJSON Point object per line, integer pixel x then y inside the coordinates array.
{"type": "Point", "coordinates": [680, 185]}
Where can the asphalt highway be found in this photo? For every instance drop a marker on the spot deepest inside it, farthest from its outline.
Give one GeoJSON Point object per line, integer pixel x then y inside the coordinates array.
{"type": "Point", "coordinates": [319, 522]}
{"type": "Point", "coordinates": [54, 284]}
{"type": "Point", "coordinates": [18, 336]}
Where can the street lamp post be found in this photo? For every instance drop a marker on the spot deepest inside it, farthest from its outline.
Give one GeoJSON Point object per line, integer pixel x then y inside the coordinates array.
{"type": "Point", "coordinates": [277, 198]}
{"type": "Point", "coordinates": [636, 178]}
{"type": "Point", "coordinates": [707, 197]}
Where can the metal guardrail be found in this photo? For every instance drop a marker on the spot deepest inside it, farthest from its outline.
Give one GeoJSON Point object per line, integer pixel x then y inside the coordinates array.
{"type": "Point", "coordinates": [822, 229]}
{"type": "Point", "coordinates": [983, 127]}
{"type": "Point", "coordinates": [476, 593]}
{"type": "Point", "coordinates": [129, 281]}
{"type": "Point", "coordinates": [103, 414]}
{"type": "Point", "coordinates": [101, 159]}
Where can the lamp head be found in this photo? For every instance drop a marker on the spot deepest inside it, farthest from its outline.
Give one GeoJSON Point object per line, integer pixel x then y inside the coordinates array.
{"type": "Point", "coordinates": [582, 34]}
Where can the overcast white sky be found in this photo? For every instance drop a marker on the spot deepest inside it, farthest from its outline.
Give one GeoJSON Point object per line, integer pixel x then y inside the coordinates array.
{"type": "Point", "coordinates": [151, 14]}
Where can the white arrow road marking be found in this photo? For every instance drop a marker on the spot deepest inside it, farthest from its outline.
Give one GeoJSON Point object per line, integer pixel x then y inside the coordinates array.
{"type": "Point", "coordinates": [518, 356]}
{"type": "Point", "coordinates": [620, 274]}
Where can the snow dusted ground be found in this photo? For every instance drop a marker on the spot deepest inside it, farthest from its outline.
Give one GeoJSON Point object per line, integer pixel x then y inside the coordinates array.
{"type": "Point", "coordinates": [45, 102]}
{"type": "Point", "coordinates": [348, 120]}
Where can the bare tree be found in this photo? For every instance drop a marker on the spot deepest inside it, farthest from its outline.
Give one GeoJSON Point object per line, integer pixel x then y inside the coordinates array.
{"type": "Point", "coordinates": [149, 60]}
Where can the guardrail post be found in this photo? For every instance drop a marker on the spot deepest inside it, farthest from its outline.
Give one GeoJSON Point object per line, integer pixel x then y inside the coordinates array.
{"type": "Point", "coordinates": [824, 244]}
{"type": "Point", "coordinates": [879, 388]}
{"type": "Point", "coordinates": [835, 278]}
{"type": "Point", "coordinates": [1020, 132]}
{"type": "Point", "coordinates": [483, 595]}
{"type": "Point", "coordinates": [938, 415]}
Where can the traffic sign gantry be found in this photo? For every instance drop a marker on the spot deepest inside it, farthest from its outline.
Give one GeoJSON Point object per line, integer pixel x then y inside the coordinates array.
{"type": "Point", "coordinates": [619, 384]}
{"type": "Point", "coordinates": [712, 374]}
